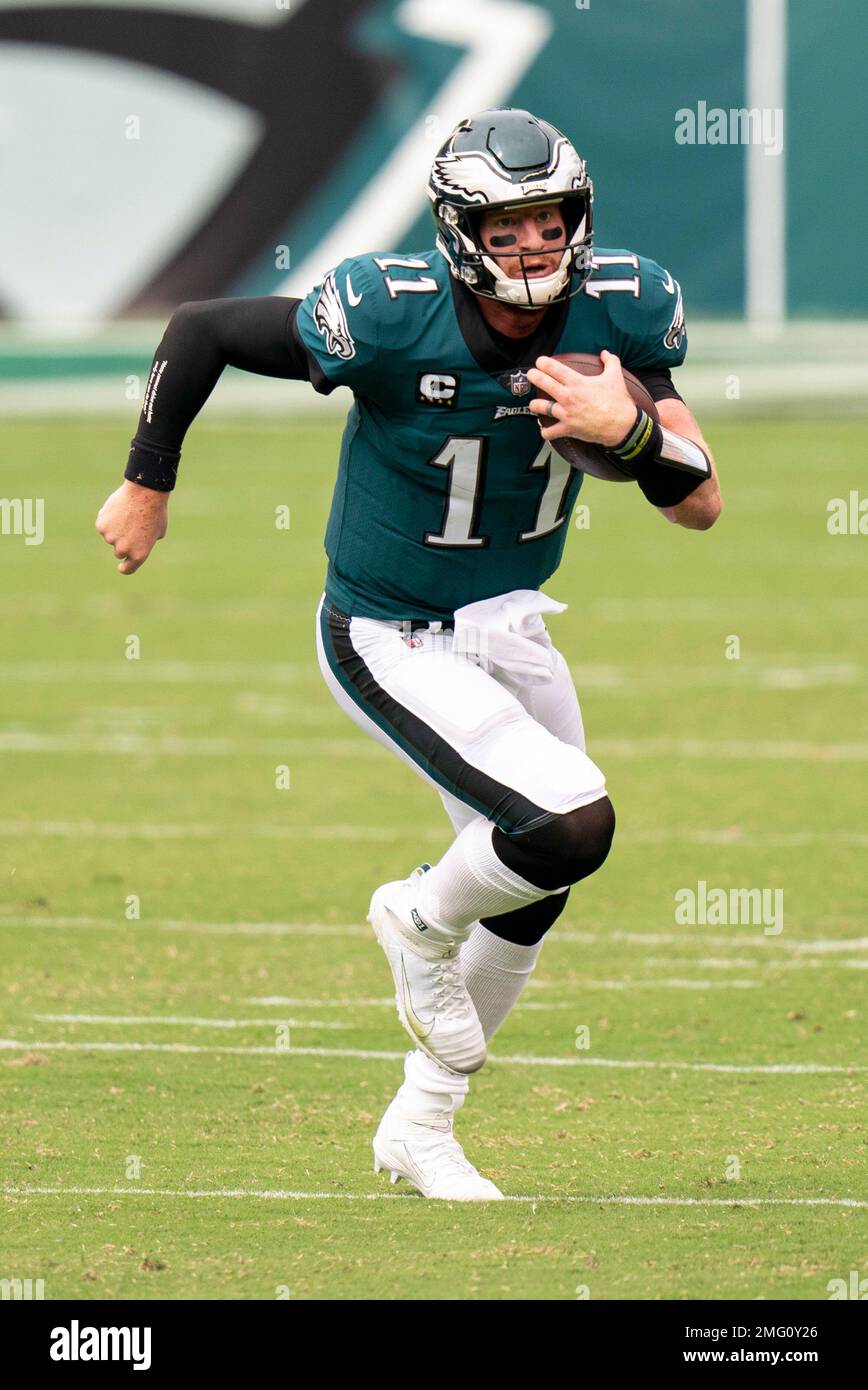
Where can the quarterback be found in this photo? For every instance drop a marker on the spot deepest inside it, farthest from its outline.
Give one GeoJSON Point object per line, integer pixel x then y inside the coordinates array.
{"type": "Point", "coordinates": [451, 509]}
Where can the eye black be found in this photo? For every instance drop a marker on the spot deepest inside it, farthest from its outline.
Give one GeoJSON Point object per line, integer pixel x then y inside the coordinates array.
{"type": "Point", "coordinates": [551, 233]}
{"type": "Point", "coordinates": [506, 239]}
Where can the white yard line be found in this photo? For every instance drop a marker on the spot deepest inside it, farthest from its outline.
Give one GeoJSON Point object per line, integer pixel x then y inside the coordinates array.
{"type": "Point", "coordinates": [522, 1006]}
{"type": "Point", "coordinates": [175, 1021]}
{"type": "Point", "coordinates": [17, 1045]}
{"type": "Point", "coordinates": [740, 939]}
{"type": "Point", "coordinates": [203, 830]}
{"type": "Point", "coordinates": [132, 673]}
{"type": "Point", "coordinates": [858, 943]}
{"type": "Point", "coordinates": [365, 1054]}
{"type": "Point", "coordinates": [197, 830]}
{"type": "Point", "coordinates": [287, 1195]}
{"type": "Point", "coordinates": [196, 928]}
{"type": "Point", "coordinates": [779, 674]}
{"type": "Point", "coordinates": [285, 1001]}
{"type": "Point", "coordinates": [669, 984]}
{"type": "Point", "coordinates": [706, 963]}
{"type": "Point", "coordinates": [170, 745]}
{"type": "Point", "coordinates": [709, 750]}
{"type": "Point", "coordinates": [127, 744]}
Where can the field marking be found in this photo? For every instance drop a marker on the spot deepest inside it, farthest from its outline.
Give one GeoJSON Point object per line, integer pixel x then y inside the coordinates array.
{"type": "Point", "coordinates": [269, 1000]}
{"type": "Point", "coordinates": [366, 1054]}
{"type": "Point", "coordinates": [734, 835]}
{"type": "Point", "coordinates": [129, 673]}
{"type": "Point", "coordinates": [787, 750]}
{"type": "Point", "coordinates": [196, 928]}
{"type": "Point", "coordinates": [670, 984]}
{"type": "Point", "coordinates": [521, 1007]}
{"type": "Point", "coordinates": [198, 830]}
{"type": "Point", "coordinates": [149, 745]}
{"type": "Point", "coordinates": [780, 674]}
{"type": "Point", "coordinates": [859, 943]}
{"type": "Point", "coordinates": [17, 1045]}
{"type": "Point", "coordinates": [203, 830]}
{"type": "Point", "coordinates": [178, 1020]}
{"type": "Point", "coordinates": [635, 609]}
{"type": "Point", "coordinates": [768, 945]}
{"type": "Point", "coordinates": [706, 963]}
{"type": "Point", "coordinates": [288, 1195]}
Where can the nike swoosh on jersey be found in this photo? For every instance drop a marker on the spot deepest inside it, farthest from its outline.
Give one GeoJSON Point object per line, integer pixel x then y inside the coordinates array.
{"type": "Point", "coordinates": [352, 299]}
{"type": "Point", "coordinates": [417, 1024]}
{"type": "Point", "coordinates": [668, 283]}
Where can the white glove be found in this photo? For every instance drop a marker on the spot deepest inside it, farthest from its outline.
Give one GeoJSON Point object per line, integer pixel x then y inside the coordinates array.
{"type": "Point", "coordinates": [506, 635]}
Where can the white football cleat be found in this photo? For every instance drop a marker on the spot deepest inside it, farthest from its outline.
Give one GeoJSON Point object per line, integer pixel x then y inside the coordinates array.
{"type": "Point", "coordinates": [427, 1154]}
{"type": "Point", "coordinates": [432, 999]}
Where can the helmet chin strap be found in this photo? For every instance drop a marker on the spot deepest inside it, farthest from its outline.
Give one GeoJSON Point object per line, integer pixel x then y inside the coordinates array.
{"type": "Point", "coordinates": [524, 293]}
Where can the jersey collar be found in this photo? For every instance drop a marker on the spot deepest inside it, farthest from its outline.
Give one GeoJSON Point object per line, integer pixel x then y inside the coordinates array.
{"type": "Point", "coordinates": [500, 362]}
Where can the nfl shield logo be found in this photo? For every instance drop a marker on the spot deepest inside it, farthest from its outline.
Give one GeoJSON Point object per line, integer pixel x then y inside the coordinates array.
{"type": "Point", "coordinates": [518, 383]}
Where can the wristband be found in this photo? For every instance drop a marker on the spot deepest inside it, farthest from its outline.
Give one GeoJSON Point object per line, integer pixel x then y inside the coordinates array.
{"type": "Point", "coordinates": [638, 442]}
{"type": "Point", "coordinates": [151, 467]}
{"type": "Point", "coordinates": [666, 466]}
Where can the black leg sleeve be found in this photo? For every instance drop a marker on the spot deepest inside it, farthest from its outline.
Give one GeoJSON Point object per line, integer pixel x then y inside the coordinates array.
{"type": "Point", "coordinates": [527, 925]}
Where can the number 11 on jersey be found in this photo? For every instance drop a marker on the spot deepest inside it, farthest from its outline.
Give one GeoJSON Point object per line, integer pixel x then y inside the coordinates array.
{"type": "Point", "coordinates": [464, 458]}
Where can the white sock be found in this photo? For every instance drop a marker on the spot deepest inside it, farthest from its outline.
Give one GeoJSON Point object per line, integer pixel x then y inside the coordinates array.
{"type": "Point", "coordinates": [430, 1091]}
{"type": "Point", "coordinates": [495, 972]}
{"type": "Point", "coordinates": [470, 882]}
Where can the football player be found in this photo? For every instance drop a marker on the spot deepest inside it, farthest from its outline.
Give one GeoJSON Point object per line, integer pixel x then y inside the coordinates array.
{"type": "Point", "coordinates": [451, 509]}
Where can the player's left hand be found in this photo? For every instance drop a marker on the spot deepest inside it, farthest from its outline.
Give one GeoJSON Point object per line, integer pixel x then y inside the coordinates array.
{"type": "Point", "coordinates": [598, 409]}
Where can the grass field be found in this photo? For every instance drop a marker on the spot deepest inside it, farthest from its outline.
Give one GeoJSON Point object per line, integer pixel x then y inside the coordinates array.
{"type": "Point", "coordinates": [157, 1138]}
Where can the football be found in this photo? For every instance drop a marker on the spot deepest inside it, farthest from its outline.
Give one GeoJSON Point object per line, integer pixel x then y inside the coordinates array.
{"type": "Point", "coordinates": [593, 458]}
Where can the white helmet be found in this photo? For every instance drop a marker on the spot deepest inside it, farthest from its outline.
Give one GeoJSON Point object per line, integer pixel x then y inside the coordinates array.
{"type": "Point", "coordinates": [506, 158]}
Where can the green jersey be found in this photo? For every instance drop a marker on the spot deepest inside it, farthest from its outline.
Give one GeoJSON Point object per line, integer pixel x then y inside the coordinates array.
{"type": "Point", "coordinates": [446, 492]}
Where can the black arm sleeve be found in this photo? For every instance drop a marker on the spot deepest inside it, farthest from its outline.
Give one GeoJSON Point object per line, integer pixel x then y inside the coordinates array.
{"type": "Point", "coordinates": [257, 335]}
{"type": "Point", "coordinates": [658, 383]}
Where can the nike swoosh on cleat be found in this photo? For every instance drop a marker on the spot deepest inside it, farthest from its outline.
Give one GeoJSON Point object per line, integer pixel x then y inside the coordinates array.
{"type": "Point", "coordinates": [417, 1175]}
{"type": "Point", "coordinates": [417, 1025]}
{"type": "Point", "coordinates": [352, 298]}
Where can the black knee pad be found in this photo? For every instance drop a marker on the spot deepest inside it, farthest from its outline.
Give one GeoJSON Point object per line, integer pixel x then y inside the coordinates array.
{"type": "Point", "coordinates": [527, 925]}
{"type": "Point", "coordinates": [565, 850]}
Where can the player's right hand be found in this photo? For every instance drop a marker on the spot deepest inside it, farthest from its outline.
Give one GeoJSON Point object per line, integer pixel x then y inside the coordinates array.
{"type": "Point", "coordinates": [131, 521]}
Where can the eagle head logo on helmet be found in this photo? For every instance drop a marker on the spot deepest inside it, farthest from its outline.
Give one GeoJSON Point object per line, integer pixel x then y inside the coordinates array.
{"type": "Point", "coordinates": [504, 158]}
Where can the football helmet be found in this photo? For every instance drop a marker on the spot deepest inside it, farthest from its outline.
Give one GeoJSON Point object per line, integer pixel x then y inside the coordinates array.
{"type": "Point", "coordinates": [508, 158]}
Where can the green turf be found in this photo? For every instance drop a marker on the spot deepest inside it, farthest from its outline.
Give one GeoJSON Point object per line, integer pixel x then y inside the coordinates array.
{"type": "Point", "coordinates": [156, 778]}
